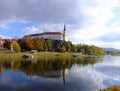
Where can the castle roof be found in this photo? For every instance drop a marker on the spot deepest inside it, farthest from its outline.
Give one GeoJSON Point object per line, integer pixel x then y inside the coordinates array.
{"type": "Point", "coordinates": [46, 33]}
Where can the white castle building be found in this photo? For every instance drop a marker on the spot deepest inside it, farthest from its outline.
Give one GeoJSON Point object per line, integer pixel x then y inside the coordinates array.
{"type": "Point", "coordinates": [51, 35]}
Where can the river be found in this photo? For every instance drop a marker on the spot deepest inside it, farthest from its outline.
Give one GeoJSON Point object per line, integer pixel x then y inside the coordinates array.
{"type": "Point", "coordinates": [60, 74]}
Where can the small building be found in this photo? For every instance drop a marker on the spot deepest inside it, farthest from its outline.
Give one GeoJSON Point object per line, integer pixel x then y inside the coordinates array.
{"type": "Point", "coordinates": [12, 43]}
{"type": "Point", "coordinates": [1, 43]}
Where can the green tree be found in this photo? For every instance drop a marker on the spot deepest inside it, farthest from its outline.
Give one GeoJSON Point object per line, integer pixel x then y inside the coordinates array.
{"type": "Point", "coordinates": [58, 48]}
{"type": "Point", "coordinates": [100, 51]}
{"type": "Point", "coordinates": [7, 44]}
{"type": "Point", "coordinates": [63, 49]}
{"type": "Point", "coordinates": [41, 44]}
{"type": "Point", "coordinates": [45, 47]}
{"type": "Point", "coordinates": [68, 47]}
{"type": "Point", "coordinates": [16, 47]}
{"type": "Point", "coordinates": [49, 44]}
{"type": "Point", "coordinates": [82, 50]}
{"type": "Point", "coordinates": [75, 48]}
{"type": "Point", "coordinates": [94, 48]}
{"type": "Point", "coordinates": [79, 47]}
{"type": "Point", "coordinates": [90, 51]}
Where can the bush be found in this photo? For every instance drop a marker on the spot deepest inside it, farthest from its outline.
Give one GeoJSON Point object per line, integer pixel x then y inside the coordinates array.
{"type": "Point", "coordinates": [112, 88]}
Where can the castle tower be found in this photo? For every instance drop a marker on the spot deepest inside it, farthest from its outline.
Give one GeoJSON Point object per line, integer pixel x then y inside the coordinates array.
{"type": "Point", "coordinates": [64, 33]}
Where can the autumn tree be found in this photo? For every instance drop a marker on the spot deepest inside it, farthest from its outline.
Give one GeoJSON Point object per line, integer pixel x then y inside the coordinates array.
{"type": "Point", "coordinates": [28, 45]}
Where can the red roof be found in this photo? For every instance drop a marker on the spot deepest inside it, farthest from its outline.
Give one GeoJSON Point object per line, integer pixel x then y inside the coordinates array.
{"type": "Point", "coordinates": [1, 38]}
{"type": "Point", "coordinates": [13, 42]}
{"type": "Point", "coordinates": [49, 33]}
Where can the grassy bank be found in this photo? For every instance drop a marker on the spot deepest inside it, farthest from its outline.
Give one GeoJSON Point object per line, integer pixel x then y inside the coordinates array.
{"type": "Point", "coordinates": [53, 54]}
{"type": "Point", "coordinates": [11, 55]}
{"type": "Point", "coordinates": [38, 54]}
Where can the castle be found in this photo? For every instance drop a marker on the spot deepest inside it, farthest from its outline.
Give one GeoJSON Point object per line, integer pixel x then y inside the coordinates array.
{"type": "Point", "coordinates": [51, 35]}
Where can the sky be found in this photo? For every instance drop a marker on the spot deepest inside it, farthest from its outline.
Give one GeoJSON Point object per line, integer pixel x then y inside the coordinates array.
{"type": "Point", "coordinates": [92, 22]}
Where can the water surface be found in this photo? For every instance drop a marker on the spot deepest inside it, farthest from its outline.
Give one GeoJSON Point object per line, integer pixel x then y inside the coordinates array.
{"type": "Point", "coordinates": [59, 74]}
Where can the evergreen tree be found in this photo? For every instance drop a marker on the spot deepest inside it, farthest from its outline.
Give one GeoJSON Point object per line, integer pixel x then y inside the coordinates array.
{"type": "Point", "coordinates": [7, 43]}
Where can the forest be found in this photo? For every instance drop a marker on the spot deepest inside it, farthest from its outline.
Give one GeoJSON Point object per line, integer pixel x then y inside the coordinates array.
{"type": "Point", "coordinates": [28, 44]}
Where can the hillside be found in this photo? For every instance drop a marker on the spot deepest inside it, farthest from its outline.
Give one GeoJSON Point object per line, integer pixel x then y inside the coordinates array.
{"type": "Point", "coordinates": [112, 49]}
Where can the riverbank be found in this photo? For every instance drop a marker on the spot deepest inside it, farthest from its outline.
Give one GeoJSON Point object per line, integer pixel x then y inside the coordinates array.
{"type": "Point", "coordinates": [38, 54]}
{"type": "Point", "coordinates": [10, 55]}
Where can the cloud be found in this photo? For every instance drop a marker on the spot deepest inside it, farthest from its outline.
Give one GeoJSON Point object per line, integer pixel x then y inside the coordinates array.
{"type": "Point", "coordinates": [85, 20]}
{"type": "Point", "coordinates": [108, 44]}
{"type": "Point", "coordinates": [41, 11]}
{"type": "Point", "coordinates": [4, 25]}
{"type": "Point", "coordinates": [110, 37]}
{"type": "Point", "coordinates": [100, 14]}
{"type": "Point", "coordinates": [55, 11]}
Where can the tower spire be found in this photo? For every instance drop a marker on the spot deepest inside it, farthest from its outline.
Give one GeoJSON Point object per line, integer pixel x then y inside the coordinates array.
{"type": "Point", "coordinates": [64, 33]}
{"type": "Point", "coordinates": [64, 27]}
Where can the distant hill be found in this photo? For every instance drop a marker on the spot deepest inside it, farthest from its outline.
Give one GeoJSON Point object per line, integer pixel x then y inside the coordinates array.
{"type": "Point", "coordinates": [112, 49]}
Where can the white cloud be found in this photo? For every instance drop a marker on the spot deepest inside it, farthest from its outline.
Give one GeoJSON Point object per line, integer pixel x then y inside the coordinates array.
{"type": "Point", "coordinates": [111, 44]}
{"type": "Point", "coordinates": [4, 25]}
{"type": "Point", "coordinates": [99, 14]}
{"type": "Point", "coordinates": [86, 20]}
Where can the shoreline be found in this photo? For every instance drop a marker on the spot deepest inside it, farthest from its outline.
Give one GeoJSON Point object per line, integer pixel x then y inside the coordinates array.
{"type": "Point", "coordinates": [9, 55]}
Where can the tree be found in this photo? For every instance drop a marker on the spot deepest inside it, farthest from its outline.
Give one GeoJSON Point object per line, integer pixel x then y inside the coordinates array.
{"type": "Point", "coordinates": [41, 43]}
{"type": "Point", "coordinates": [16, 47]}
{"type": "Point", "coordinates": [49, 44]}
{"type": "Point", "coordinates": [75, 48]}
{"type": "Point", "coordinates": [58, 48]}
{"type": "Point", "coordinates": [28, 44]}
{"type": "Point", "coordinates": [68, 46]}
{"type": "Point", "coordinates": [45, 47]}
{"type": "Point", "coordinates": [90, 51]}
{"type": "Point", "coordinates": [63, 49]}
{"type": "Point", "coordinates": [82, 50]}
{"type": "Point", "coordinates": [7, 44]}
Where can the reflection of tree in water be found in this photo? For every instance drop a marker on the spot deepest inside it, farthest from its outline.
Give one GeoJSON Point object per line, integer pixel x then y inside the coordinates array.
{"type": "Point", "coordinates": [87, 61]}
{"type": "Point", "coordinates": [47, 67]}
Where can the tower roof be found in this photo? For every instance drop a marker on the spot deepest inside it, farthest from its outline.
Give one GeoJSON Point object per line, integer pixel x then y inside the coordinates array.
{"type": "Point", "coordinates": [64, 27]}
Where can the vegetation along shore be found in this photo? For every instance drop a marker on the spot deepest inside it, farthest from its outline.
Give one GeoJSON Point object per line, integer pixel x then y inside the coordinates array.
{"type": "Point", "coordinates": [48, 45]}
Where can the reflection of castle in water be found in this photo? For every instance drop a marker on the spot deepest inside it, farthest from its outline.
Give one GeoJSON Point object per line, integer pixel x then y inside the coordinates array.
{"type": "Point", "coordinates": [54, 74]}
